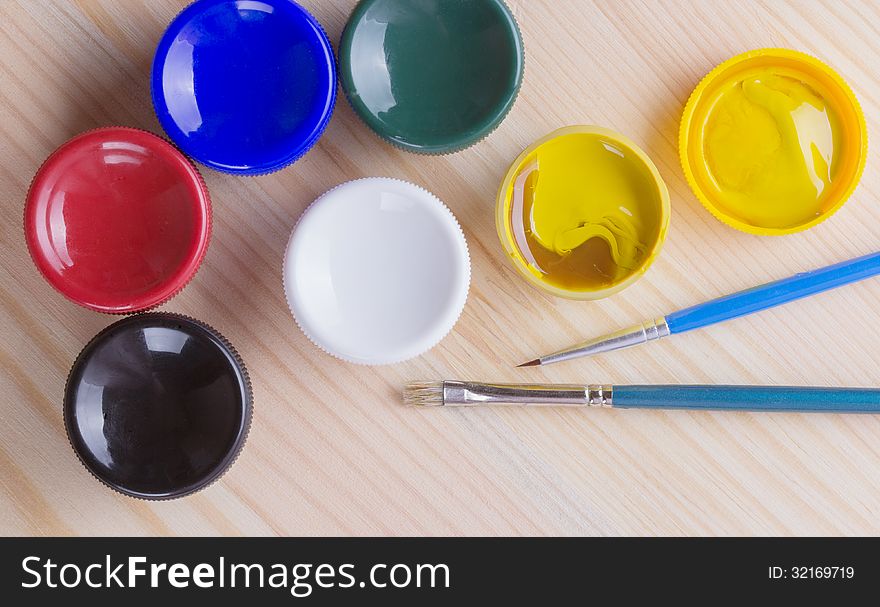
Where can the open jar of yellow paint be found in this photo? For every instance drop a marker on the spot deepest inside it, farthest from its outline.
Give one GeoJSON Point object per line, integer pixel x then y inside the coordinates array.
{"type": "Point", "coordinates": [582, 213]}
{"type": "Point", "coordinates": [773, 141]}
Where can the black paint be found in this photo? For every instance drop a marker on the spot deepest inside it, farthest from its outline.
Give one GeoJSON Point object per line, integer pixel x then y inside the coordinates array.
{"type": "Point", "coordinates": [157, 405]}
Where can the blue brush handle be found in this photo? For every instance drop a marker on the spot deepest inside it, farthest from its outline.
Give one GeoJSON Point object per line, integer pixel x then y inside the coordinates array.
{"type": "Point", "coordinates": [773, 293]}
{"type": "Point", "coordinates": [748, 398]}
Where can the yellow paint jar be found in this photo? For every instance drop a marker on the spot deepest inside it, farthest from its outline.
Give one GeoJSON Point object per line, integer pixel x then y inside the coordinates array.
{"type": "Point", "coordinates": [582, 213]}
{"type": "Point", "coordinates": [773, 141]}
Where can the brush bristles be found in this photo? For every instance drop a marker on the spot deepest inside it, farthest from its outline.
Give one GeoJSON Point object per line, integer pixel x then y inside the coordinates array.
{"type": "Point", "coordinates": [423, 394]}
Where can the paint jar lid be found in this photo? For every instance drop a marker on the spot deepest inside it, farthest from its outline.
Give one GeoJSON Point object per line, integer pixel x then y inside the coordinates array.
{"type": "Point", "coordinates": [376, 271]}
{"type": "Point", "coordinates": [244, 86]}
{"type": "Point", "coordinates": [431, 76]}
{"type": "Point", "coordinates": [773, 141]}
{"type": "Point", "coordinates": [582, 213]}
{"type": "Point", "coordinates": [117, 220]}
{"type": "Point", "coordinates": [157, 406]}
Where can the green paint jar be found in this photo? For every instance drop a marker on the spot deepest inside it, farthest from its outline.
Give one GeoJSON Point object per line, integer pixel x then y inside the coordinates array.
{"type": "Point", "coordinates": [431, 76]}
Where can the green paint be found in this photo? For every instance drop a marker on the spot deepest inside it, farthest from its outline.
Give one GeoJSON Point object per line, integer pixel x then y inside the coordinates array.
{"type": "Point", "coordinates": [431, 76]}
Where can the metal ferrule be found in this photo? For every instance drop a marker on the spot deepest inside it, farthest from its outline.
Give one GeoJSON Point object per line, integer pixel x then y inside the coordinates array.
{"type": "Point", "coordinates": [633, 336]}
{"type": "Point", "coordinates": [458, 394]}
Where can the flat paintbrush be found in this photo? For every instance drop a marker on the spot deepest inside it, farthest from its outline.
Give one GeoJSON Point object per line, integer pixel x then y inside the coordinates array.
{"type": "Point", "coordinates": [720, 398]}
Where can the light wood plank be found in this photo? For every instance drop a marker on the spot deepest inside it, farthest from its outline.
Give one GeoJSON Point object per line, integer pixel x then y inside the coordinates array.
{"type": "Point", "coordinates": [331, 449]}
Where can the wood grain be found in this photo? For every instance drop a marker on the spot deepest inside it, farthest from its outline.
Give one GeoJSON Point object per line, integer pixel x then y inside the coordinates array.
{"type": "Point", "coordinates": [331, 449]}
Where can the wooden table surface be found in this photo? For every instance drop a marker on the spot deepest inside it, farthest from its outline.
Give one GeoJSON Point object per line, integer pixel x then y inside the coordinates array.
{"type": "Point", "coordinates": [331, 450]}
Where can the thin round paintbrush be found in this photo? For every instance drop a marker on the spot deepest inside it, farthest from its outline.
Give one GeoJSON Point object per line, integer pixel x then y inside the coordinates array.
{"type": "Point", "coordinates": [724, 308]}
{"type": "Point", "coordinates": [717, 398]}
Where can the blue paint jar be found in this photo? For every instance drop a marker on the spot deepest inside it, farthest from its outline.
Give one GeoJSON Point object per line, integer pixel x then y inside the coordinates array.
{"type": "Point", "coordinates": [244, 86]}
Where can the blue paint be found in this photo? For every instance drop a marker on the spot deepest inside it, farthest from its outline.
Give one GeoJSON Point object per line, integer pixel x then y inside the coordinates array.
{"type": "Point", "coordinates": [774, 293]}
{"type": "Point", "coordinates": [244, 86]}
{"type": "Point", "coordinates": [748, 398]}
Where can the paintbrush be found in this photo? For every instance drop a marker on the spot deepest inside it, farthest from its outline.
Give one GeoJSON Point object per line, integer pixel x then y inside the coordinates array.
{"type": "Point", "coordinates": [724, 308]}
{"type": "Point", "coordinates": [716, 398]}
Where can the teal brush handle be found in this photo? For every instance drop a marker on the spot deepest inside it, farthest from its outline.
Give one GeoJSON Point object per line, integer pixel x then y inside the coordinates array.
{"type": "Point", "coordinates": [748, 398]}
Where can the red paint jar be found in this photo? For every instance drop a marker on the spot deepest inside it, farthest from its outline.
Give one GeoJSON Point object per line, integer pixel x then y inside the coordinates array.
{"type": "Point", "coordinates": [117, 220]}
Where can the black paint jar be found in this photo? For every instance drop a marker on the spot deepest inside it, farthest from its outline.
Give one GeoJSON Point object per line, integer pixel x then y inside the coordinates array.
{"type": "Point", "coordinates": [157, 406]}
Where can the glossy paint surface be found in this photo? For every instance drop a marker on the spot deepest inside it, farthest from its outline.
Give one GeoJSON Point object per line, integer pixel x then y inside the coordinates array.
{"type": "Point", "coordinates": [377, 271]}
{"type": "Point", "coordinates": [582, 212]}
{"type": "Point", "coordinates": [431, 76]}
{"type": "Point", "coordinates": [244, 86]}
{"type": "Point", "coordinates": [117, 220]}
{"type": "Point", "coordinates": [772, 146]}
{"type": "Point", "coordinates": [773, 141]}
{"type": "Point", "coordinates": [157, 406]}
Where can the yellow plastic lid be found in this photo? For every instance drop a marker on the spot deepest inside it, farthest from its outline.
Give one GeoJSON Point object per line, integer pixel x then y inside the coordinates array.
{"type": "Point", "coordinates": [773, 141]}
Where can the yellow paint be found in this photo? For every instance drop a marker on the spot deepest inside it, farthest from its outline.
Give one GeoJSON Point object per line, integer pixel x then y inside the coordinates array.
{"type": "Point", "coordinates": [771, 145]}
{"type": "Point", "coordinates": [773, 141]}
{"type": "Point", "coordinates": [582, 212]}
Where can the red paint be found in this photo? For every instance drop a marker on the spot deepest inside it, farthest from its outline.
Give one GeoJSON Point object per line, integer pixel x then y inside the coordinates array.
{"type": "Point", "coordinates": [118, 220]}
